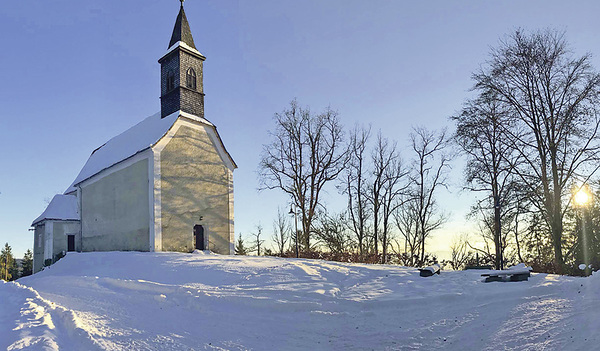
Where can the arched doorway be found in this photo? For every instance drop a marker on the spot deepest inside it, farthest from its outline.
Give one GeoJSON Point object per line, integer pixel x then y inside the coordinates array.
{"type": "Point", "coordinates": [198, 237]}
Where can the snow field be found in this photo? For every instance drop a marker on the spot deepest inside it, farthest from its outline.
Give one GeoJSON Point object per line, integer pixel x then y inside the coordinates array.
{"type": "Point", "coordinates": [199, 301]}
{"type": "Point", "coordinates": [28, 321]}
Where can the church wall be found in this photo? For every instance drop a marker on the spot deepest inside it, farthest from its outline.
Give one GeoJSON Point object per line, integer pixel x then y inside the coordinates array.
{"type": "Point", "coordinates": [60, 232]}
{"type": "Point", "coordinates": [194, 183]}
{"type": "Point", "coordinates": [38, 247]}
{"type": "Point", "coordinates": [58, 245]}
{"type": "Point", "coordinates": [115, 211]}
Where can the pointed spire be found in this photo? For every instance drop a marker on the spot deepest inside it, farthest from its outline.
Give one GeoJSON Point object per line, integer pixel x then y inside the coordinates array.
{"type": "Point", "coordinates": [182, 31]}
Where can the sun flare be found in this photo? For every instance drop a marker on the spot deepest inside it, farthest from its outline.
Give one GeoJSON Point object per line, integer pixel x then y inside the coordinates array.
{"type": "Point", "coordinates": [582, 197]}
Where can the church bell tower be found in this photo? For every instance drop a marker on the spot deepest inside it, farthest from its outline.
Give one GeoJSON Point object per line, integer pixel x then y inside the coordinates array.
{"type": "Point", "coordinates": [181, 72]}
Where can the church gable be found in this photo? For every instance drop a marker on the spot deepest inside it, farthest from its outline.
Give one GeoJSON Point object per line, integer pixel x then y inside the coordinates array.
{"type": "Point", "coordinates": [196, 189]}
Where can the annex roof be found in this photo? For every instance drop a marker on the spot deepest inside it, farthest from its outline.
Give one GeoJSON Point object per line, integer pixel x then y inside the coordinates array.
{"type": "Point", "coordinates": [62, 208]}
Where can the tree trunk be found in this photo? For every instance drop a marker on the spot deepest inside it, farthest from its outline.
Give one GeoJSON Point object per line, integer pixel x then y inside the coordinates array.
{"type": "Point", "coordinates": [376, 219]}
{"type": "Point", "coordinates": [557, 229]}
{"type": "Point", "coordinates": [557, 224]}
{"type": "Point", "coordinates": [384, 242]}
{"type": "Point", "coordinates": [497, 234]}
{"type": "Point", "coordinates": [517, 234]}
{"type": "Point", "coordinates": [422, 247]}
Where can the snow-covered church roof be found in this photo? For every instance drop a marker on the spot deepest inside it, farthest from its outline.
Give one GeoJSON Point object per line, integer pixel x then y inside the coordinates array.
{"type": "Point", "coordinates": [62, 207]}
{"type": "Point", "coordinates": [132, 141]}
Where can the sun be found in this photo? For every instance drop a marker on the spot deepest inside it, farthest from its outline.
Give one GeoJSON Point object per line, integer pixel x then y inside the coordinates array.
{"type": "Point", "coordinates": [582, 196]}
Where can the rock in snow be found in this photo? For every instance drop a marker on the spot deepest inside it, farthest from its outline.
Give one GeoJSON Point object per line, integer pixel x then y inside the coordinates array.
{"type": "Point", "coordinates": [177, 301]}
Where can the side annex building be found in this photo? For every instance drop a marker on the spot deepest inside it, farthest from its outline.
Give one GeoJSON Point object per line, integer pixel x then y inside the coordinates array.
{"type": "Point", "coordinates": [165, 184]}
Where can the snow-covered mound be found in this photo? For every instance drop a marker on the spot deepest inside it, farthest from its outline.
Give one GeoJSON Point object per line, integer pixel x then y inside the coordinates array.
{"type": "Point", "coordinates": [199, 301]}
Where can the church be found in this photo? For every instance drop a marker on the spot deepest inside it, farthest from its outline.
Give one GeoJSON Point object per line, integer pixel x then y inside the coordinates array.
{"type": "Point", "coordinates": [165, 184]}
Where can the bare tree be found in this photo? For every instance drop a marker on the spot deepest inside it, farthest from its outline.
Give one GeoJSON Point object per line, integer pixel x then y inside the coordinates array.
{"type": "Point", "coordinates": [490, 160]}
{"type": "Point", "coordinates": [354, 185]}
{"type": "Point", "coordinates": [495, 244]}
{"type": "Point", "coordinates": [257, 242]}
{"type": "Point", "coordinates": [306, 153]}
{"type": "Point", "coordinates": [461, 254]}
{"type": "Point", "coordinates": [385, 166]}
{"type": "Point", "coordinates": [553, 97]}
{"type": "Point", "coordinates": [393, 193]}
{"type": "Point", "coordinates": [281, 231]}
{"type": "Point", "coordinates": [517, 218]}
{"type": "Point", "coordinates": [481, 250]}
{"type": "Point", "coordinates": [430, 168]}
{"type": "Point", "coordinates": [332, 232]}
{"type": "Point", "coordinates": [406, 218]}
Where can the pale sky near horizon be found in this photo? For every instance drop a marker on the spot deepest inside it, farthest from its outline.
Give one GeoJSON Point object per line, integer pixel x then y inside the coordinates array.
{"type": "Point", "coordinates": [75, 74]}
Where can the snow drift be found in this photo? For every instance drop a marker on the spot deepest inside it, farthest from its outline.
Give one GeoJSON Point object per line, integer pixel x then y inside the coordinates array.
{"type": "Point", "coordinates": [199, 301]}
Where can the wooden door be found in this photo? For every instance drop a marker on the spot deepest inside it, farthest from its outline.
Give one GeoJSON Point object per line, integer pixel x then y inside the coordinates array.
{"type": "Point", "coordinates": [70, 242]}
{"type": "Point", "coordinates": [199, 237]}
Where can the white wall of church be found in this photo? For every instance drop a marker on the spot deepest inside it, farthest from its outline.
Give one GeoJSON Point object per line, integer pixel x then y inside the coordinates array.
{"type": "Point", "coordinates": [50, 241]}
{"type": "Point", "coordinates": [38, 247]}
{"type": "Point", "coordinates": [196, 187]}
{"type": "Point", "coordinates": [59, 233]}
{"type": "Point", "coordinates": [115, 208]}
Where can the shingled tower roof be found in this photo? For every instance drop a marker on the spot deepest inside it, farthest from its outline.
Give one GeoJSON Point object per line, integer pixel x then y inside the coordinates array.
{"type": "Point", "coordinates": [182, 31]}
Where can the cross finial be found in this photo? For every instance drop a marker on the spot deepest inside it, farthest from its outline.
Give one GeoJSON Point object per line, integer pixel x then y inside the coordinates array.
{"type": "Point", "coordinates": [182, 2]}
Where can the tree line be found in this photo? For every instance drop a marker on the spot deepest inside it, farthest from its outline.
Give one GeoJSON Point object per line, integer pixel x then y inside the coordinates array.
{"type": "Point", "coordinates": [385, 194]}
{"type": "Point", "coordinates": [10, 269]}
{"type": "Point", "coordinates": [529, 134]}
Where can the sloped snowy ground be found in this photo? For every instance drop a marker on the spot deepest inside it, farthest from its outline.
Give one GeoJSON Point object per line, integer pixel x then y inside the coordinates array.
{"type": "Point", "coordinates": [175, 301]}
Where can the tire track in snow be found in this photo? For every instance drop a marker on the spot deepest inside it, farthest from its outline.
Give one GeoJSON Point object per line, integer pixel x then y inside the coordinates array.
{"type": "Point", "coordinates": [22, 323]}
{"type": "Point", "coordinates": [534, 324]}
{"type": "Point", "coordinates": [42, 324]}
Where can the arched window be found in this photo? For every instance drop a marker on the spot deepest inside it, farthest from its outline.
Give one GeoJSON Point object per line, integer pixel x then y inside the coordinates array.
{"type": "Point", "coordinates": [170, 81]}
{"type": "Point", "coordinates": [190, 78]}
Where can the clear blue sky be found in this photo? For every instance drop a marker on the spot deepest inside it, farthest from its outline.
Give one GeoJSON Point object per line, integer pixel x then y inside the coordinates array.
{"type": "Point", "coordinates": [76, 73]}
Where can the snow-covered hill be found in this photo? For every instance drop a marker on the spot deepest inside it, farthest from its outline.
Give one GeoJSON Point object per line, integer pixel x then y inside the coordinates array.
{"type": "Point", "coordinates": [175, 301]}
